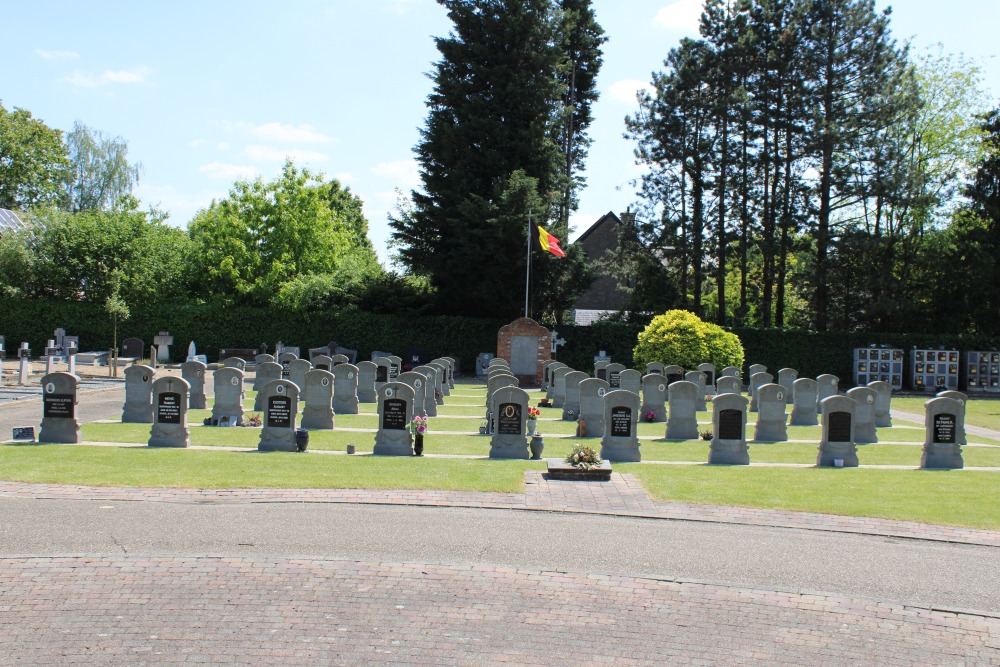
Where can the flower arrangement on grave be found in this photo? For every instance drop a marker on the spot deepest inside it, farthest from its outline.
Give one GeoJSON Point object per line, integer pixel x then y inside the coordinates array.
{"type": "Point", "coordinates": [419, 425]}
{"type": "Point", "coordinates": [584, 457]}
{"type": "Point", "coordinates": [545, 403]}
{"type": "Point", "coordinates": [253, 420]}
{"type": "Point", "coordinates": [706, 434]}
{"type": "Point", "coordinates": [650, 415]}
{"type": "Point", "coordinates": [438, 394]}
{"type": "Point", "coordinates": [532, 424]}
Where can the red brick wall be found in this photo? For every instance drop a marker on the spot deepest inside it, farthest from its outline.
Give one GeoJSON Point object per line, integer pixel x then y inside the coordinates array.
{"type": "Point", "coordinates": [526, 327]}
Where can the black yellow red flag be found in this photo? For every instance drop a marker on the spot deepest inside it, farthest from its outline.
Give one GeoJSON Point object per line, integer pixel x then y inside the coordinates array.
{"type": "Point", "coordinates": [549, 243]}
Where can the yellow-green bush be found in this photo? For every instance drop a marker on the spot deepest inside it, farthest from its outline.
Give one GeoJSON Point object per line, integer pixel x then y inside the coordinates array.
{"type": "Point", "coordinates": [682, 338]}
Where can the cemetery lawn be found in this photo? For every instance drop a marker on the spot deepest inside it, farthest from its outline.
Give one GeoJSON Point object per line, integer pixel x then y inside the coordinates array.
{"type": "Point", "coordinates": [928, 496]}
{"type": "Point", "coordinates": [981, 412]}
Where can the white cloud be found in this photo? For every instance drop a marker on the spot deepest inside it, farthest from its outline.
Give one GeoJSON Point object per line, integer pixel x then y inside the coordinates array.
{"type": "Point", "coordinates": [345, 177]}
{"type": "Point", "coordinates": [266, 154]}
{"type": "Point", "coordinates": [227, 171]}
{"type": "Point", "coordinates": [683, 15]}
{"type": "Point", "coordinates": [90, 80]}
{"type": "Point", "coordinates": [56, 55]}
{"type": "Point", "coordinates": [626, 90]}
{"type": "Point", "coordinates": [222, 146]}
{"type": "Point", "coordinates": [196, 143]}
{"type": "Point", "coordinates": [404, 173]}
{"type": "Point", "coordinates": [297, 134]}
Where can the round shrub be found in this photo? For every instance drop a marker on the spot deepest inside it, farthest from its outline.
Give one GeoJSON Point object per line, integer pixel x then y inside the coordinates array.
{"type": "Point", "coordinates": [681, 337]}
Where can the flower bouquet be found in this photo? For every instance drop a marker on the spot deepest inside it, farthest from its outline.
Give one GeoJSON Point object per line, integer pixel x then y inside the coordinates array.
{"type": "Point", "coordinates": [650, 415]}
{"type": "Point", "coordinates": [584, 457]}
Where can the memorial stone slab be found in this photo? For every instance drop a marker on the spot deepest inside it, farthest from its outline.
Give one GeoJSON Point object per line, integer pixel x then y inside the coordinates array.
{"type": "Point", "coordinates": [163, 342]}
{"type": "Point", "coordinates": [281, 407]}
{"type": "Point", "coordinates": [826, 386]}
{"type": "Point", "coordinates": [352, 355]}
{"type": "Point", "coordinates": [787, 378]}
{"type": "Point", "coordinates": [395, 366]}
{"type": "Point", "coordinates": [257, 361]}
{"type": "Point", "coordinates": [674, 373]}
{"type": "Point", "coordinates": [509, 406]}
{"type": "Point", "coordinates": [267, 371]}
{"type": "Point", "coordinates": [710, 375]}
{"type": "Point", "coordinates": [323, 362]}
{"type": "Point", "coordinates": [571, 406]}
{"type": "Point", "coordinates": [317, 415]}
{"type": "Point", "coordinates": [756, 368]}
{"type": "Point", "coordinates": [864, 415]}
{"type": "Point", "coordinates": [381, 371]}
{"type": "Point", "coordinates": [592, 392]}
{"type": "Point", "coordinates": [235, 362]}
{"type": "Point", "coordinates": [441, 381]}
{"type": "Point", "coordinates": [229, 394]}
{"type": "Point", "coordinates": [60, 395]}
{"type": "Point", "coordinates": [286, 359]}
{"type": "Point", "coordinates": [423, 400]}
{"type": "Point", "coordinates": [654, 397]}
{"type": "Point", "coordinates": [732, 372]}
{"type": "Point", "coordinates": [771, 414]}
{"type": "Point", "coordinates": [133, 348]}
{"type": "Point", "coordinates": [395, 412]}
{"type": "Point", "coordinates": [551, 370]}
{"type": "Point", "coordinates": [883, 403]}
{"type": "Point", "coordinates": [729, 427]}
{"type": "Point", "coordinates": [297, 370]}
{"type": "Point", "coordinates": [314, 352]}
{"type": "Point", "coordinates": [837, 443]}
{"type": "Point", "coordinates": [698, 378]}
{"type": "Point", "coordinates": [655, 367]}
{"type": "Point", "coordinates": [366, 382]}
{"type": "Point", "coordinates": [496, 382]}
{"type": "Point", "coordinates": [630, 380]}
{"type": "Point", "coordinates": [337, 359]}
{"type": "Point", "coordinates": [621, 417]}
{"type": "Point", "coordinates": [483, 363]}
{"type": "Point", "coordinates": [758, 380]}
{"type": "Point", "coordinates": [171, 397]}
{"type": "Point", "coordinates": [452, 369]}
{"type": "Point", "coordinates": [804, 412]}
{"type": "Point", "coordinates": [559, 386]}
{"type": "Point", "coordinates": [615, 375]}
{"type": "Point", "coordinates": [963, 400]}
{"type": "Point", "coordinates": [727, 384]}
{"type": "Point", "coordinates": [138, 407]}
{"type": "Point", "coordinates": [193, 373]}
{"type": "Point", "coordinates": [682, 421]}
{"type": "Point", "coordinates": [345, 390]}
{"type": "Point", "coordinates": [418, 383]}
{"type": "Point", "coordinates": [601, 368]}
{"type": "Point", "coordinates": [943, 421]}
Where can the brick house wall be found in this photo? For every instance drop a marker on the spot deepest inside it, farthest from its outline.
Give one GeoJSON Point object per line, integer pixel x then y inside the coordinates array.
{"type": "Point", "coordinates": [605, 293]}
{"type": "Point", "coordinates": [529, 329]}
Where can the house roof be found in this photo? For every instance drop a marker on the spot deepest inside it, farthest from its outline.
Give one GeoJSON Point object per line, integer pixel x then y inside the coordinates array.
{"type": "Point", "coordinates": [604, 219]}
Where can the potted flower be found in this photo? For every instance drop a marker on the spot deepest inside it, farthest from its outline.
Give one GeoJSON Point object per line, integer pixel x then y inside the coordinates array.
{"type": "Point", "coordinates": [650, 415]}
{"type": "Point", "coordinates": [532, 424]}
{"type": "Point", "coordinates": [706, 434]}
{"type": "Point", "coordinates": [418, 427]}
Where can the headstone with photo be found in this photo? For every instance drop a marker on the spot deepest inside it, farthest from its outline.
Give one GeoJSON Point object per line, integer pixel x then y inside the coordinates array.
{"type": "Point", "coordinates": [614, 377]}
{"type": "Point", "coordinates": [836, 447]}
{"type": "Point", "coordinates": [317, 415]}
{"type": "Point", "coordinates": [229, 394]}
{"type": "Point", "coordinates": [864, 415]}
{"type": "Point", "coordinates": [591, 420]}
{"type": "Point", "coordinates": [193, 373]}
{"type": "Point", "coordinates": [621, 417]}
{"type": "Point", "coordinates": [366, 382]}
{"type": "Point", "coordinates": [170, 413]}
{"type": "Point", "coordinates": [674, 373]}
{"type": "Point", "coordinates": [429, 402]}
{"type": "Point", "coordinates": [235, 362]}
{"type": "Point", "coordinates": [758, 380]}
{"type": "Point", "coordinates": [826, 386]}
{"type": "Point", "coordinates": [804, 412]}
{"type": "Point", "coordinates": [267, 371]}
{"type": "Point", "coordinates": [138, 407]}
{"type": "Point", "coordinates": [281, 408]}
{"type": "Point", "coordinates": [943, 421]}
{"type": "Point", "coordinates": [60, 395]}
{"type": "Point", "coordinates": [345, 390]}
{"type": "Point", "coordinates": [559, 386]}
{"type": "Point", "coordinates": [297, 370]}
{"type": "Point", "coordinates": [509, 406]}
{"type": "Point", "coordinates": [771, 416]}
{"type": "Point", "coordinates": [787, 378]}
{"type": "Point", "coordinates": [883, 403]}
{"type": "Point", "coordinates": [698, 378]}
{"type": "Point", "coordinates": [423, 401]}
{"type": "Point", "coordinates": [682, 419]}
{"type": "Point", "coordinates": [571, 406]}
{"type": "Point", "coordinates": [727, 384]}
{"type": "Point", "coordinates": [654, 397]}
{"type": "Point", "coordinates": [732, 372]}
{"type": "Point", "coordinates": [729, 428]}
{"type": "Point", "coordinates": [395, 412]}
{"type": "Point", "coordinates": [630, 380]}
{"type": "Point", "coordinates": [483, 363]}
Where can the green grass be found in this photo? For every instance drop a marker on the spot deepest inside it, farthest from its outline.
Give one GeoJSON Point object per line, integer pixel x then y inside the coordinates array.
{"type": "Point", "coordinates": [984, 413]}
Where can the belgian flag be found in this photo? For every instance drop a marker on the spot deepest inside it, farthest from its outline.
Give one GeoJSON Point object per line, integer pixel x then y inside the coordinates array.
{"type": "Point", "coordinates": [549, 243]}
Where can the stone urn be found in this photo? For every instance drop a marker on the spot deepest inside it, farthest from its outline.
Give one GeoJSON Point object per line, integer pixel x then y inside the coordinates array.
{"type": "Point", "coordinates": [531, 426]}
{"type": "Point", "coordinates": [536, 446]}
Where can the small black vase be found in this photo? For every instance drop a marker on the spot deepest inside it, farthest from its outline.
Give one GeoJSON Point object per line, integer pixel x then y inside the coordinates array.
{"type": "Point", "coordinates": [418, 444]}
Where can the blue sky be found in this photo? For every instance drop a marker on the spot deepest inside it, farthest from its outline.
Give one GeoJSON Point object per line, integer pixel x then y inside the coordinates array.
{"type": "Point", "coordinates": [208, 92]}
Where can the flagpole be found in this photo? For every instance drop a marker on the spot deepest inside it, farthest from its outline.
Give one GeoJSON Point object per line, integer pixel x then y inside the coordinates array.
{"type": "Point", "coordinates": [527, 277]}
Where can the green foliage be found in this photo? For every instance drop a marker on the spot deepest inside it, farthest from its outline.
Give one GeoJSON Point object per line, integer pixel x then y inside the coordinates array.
{"type": "Point", "coordinates": [33, 161]}
{"type": "Point", "coordinates": [100, 170]}
{"type": "Point", "coordinates": [681, 337]}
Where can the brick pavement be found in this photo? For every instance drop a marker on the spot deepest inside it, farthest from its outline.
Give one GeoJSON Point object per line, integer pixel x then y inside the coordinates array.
{"type": "Point", "coordinates": [114, 610]}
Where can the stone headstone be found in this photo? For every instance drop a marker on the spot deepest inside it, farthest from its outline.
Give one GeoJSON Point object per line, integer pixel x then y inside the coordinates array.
{"type": "Point", "coordinates": [771, 414]}
{"type": "Point", "coordinates": [281, 408]}
{"type": "Point", "coordinates": [297, 370]}
{"type": "Point", "coordinates": [352, 355]}
{"type": "Point", "coordinates": [804, 412]}
{"type": "Point", "coordinates": [757, 368]}
{"type": "Point", "coordinates": [592, 392]}
{"type": "Point", "coordinates": [630, 380]}
{"type": "Point", "coordinates": [395, 366]}
{"type": "Point", "coordinates": [786, 378]}
{"type": "Point", "coordinates": [601, 368]}
{"type": "Point", "coordinates": [710, 374]}
{"type": "Point", "coordinates": [682, 420]}
{"type": "Point", "coordinates": [654, 397]}
{"type": "Point", "coordinates": [323, 362]}
{"type": "Point", "coordinates": [138, 407]}
{"type": "Point", "coordinates": [267, 371]}
{"type": "Point", "coordinates": [441, 387]}
{"type": "Point", "coordinates": [615, 375]}
{"type": "Point", "coordinates": [496, 382]}
{"type": "Point", "coordinates": [655, 367]}
{"type": "Point", "coordinates": [318, 396]}
{"type": "Point", "coordinates": [171, 396]}
{"type": "Point", "coordinates": [758, 380]}
{"type": "Point", "coordinates": [559, 386]}
{"type": "Point", "coordinates": [674, 373]}
{"type": "Point", "coordinates": [732, 372]}
{"type": "Point", "coordinates": [864, 415]}
{"type": "Point", "coordinates": [193, 373]}
{"type": "Point", "coordinates": [883, 403]}
{"type": "Point", "coordinates": [499, 362]}
{"type": "Point", "coordinates": [483, 363]}
{"type": "Point", "coordinates": [60, 395]}
{"type": "Point", "coordinates": [962, 399]}
{"type": "Point", "coordinates": [257, 361]}
{"type": "Point", "coordinates": [229, 396]}
{"type": "Point", "coordinates": [337, 359]}
{"type": "Point", "coordinates": [366, 382]}
{"type": "Point", "coordinates": [133, 348]}
{"type": "Point", "coordinates": [837, 443]}
{"type": "Point", "coordinates": [727, 384]}
{"type": "Point", "coordinates": [319, 352]}
{"type": "Point", "coordinates": [235, 362]}
{"type": "Point", "coordinates": [621, 417]}
{"type": "Point", "coordinates": [509, 406]}
{"type": "Point", "coordinates": [163, 342]}
{"type": "Point", "coordinates": [826, 386]}
{"type": "Point", "coordinates": [943, 427]}
{"type": "Point", "coordinates": [549, 379]}
{"type": "Point", "coordinates": [729, 427]}
{"type": "Point", "coordinates": [423, 400]}
{"type": "Point", "coordinates": [345, 391]}
{"type": "Point", "coordinates": [429, 392]}
{"type": "Point", "coordinates": [382, 365]}
{"type": "Point", "coordinates": [395, 412]}
{"type": "Point", "coordinates": [698, 378]}
{"type": "Point", "coordinates": [571, 406]}
{"type": "Point", "coordinates": [286, 359]}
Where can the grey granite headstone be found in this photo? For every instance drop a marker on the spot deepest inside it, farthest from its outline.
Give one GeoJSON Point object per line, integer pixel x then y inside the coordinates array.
{"type": "Point", "coordinates": [235, 362]}
{"type": "Point", "coordinates": [314, 352]}
{"type": "Point", "coordinates": [170, 413]}
{"type": "Point", "coordinates": [281, 407]}
{"type": "Point", "coordinates": [337, 359]}
{"type": "Point", "coordinates": [698, 378]}
{"type": "Point", "coordinates": [267, 371]}
{"type": "Point", "coordinates": [727, 384]}
{"type": "Point", "coordinates": [674, 373]}
{"type": "Point", "coordinates": [229, 394]}
{"type": "Point", "coordinates": [441, 366]}
{"type": "Point", "coordinates": [826, 386]}
{"type": "Point", "coordinates": [864, 414]}
{"type": "Point", "coordinates": [732, 372]}
{"type": "Point", "coordinates": [452, 368]}
{"type": "Point", "coordinates": [559, 386]}
{"type": "Point", "coordinates": [395, 366]}
{"type": "Point", "coordinates": [60, 395]}
{"type": "Point", "coordinates": [654, 397]}
{"type": "Point", "coordinates": [682, 421]}
{"type": "Point", "coordinates": [621, 416]}
{"type": "Point", "coordinates": [297, 370]}
{"type": "Point", "coordinates": [133, 348]}
{"type": "Point", "coordinates": [286, 359]}
{"type": "Point", "coordinates": [804, 412]}
{"type": "Point", "coordinates": [710, 377]}
{"type": "Point", "coordinates": [366, 382]}
{"type": "Point", "coordinates": [395, 412]}
{"type": "Point", "coordinates": [601, 368]}
{"type": "Point", "coordinates": [771, 414]}
{"type": "Point", "coordinates": [546, 365]}
{"type": "Point", "coordinates": [163, 342]}
{"type": "Point", "coordinates": [483, 363]}
{"type": "Point", "coordinates": [550, 392]}
{"type": "Point", "coordinates": [962, 399]}
{"type": "Point", "coordinates": [193, 373]}
{"type": "Point", "coordinates": [509, 406]}
{"type": "Point", "coordinates": [883, 403]}
{"type": "Point", "coordinates": [429, 392]}
{"type": "Point", "coordinates": [592, 392]}
{"type": "Point", "coordinates": [943, 420]}
{"type": "Point", "coordinates": [614, 378]}
{"type": "Point", "coordinates": [138, 407]}
{"type": "Point", "coordinates": [571, 406]}
{"type": "Point", "coordinates": [630, 380]}
{"type": "Point", "coordinates": [729, 427]}
{"type": "Point", "coordinates": [655, 367]}
{"type": "Point", "coordinates": [257, 361]}
{"type": "Point", "coordinates": [756, 368]}
{"type": "Point", "coordinates": [345, 390]}
{"type": "Point", "coordinates": [318, 396]}
{"type": "Point", "coordinates": [382, 366]}
{"type": "Point", "coordinates": [495, 383]}
{"type": "Point", "coordinates": [758, 380]}
{"type": "Point", "coordinates": [323, 362]}
{"type": "Point", "coordinates": [437, 375]}
{"type": "Point", "coordinates": [423, 403]}
{"type": "Point", "coordinates": [837, 443]}
{"type": "Point", "coordinates": [787, 378]}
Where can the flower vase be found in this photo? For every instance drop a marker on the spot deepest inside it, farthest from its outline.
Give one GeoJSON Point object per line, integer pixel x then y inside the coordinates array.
{"type": "Point", "coordinates": [418, 444]}
{"type": "Point", "coordinates": [531, 426]}
{"type": "Point", "coordinates": [536, 446]}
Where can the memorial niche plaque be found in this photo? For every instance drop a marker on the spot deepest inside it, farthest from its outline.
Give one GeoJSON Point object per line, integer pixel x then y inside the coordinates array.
{"type": "Point", "coordinates": [674, 377]}
{"type": "Point", "coordinates": [168, 408]}
{"type": "Point", "coordinates": [709, 378]}
{"type": "Point", "coordinates": [57, 405]}
{"type": "Point", "coordinates": [840, 427]}
{"type": "Point", "coordinates": [285, 369]}
{"type": "Point", "coordinates": [730, 425]}
{"type": "Point", "coordinates": [615, 380]}
{"type": "Point", "coordinates": [382, 374]}
{"type": "Point", "coordinates": [602, 374]}
{"type": "Point", "coordinates": [621, 422]}
{"type": "Point", "coordinates": [509, 419]}
{"type": "Point", "coordinates": [944, 429]}
{"type": "Point", "coordinates": [279, 412]}
{"type": "Point", "coordinates": [394, 414]}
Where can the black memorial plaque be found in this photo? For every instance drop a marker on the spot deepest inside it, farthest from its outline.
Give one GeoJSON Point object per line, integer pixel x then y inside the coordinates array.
{"type": "Point", "coordinates": [279, 412]}
{"type": "Point", "coordinates": [394, 414]}
{"type": "Point", "coordinates": [59, 406]}
{"type": "Point", "coordinates": [509, 419]}
{"type": "Point", "coordinates": [24, 433]}
{"type": "Point", "coordinates": [709, 378]}
{"type": "Point", "coordinates": [840, 427]}
{"type": "Point", "coordinates": [323, 367]}
{"type": "Point", "coordinates": [621, 422]}
{"type": "Point", "coordinates": [285, 369]}
{"type": "Point", "coordinates": [674, 377]}
{"type": "Point", "coordinates": [944, 429]}
{"type": "Point", "coordinates": [730, 425]}
{"type": "Point", "coordinates": [393, 371]}
{"type": "Point", "coordinates": [168, 408]}
{"type": "Point", "coordinates": [382, 374]}
{"type": "Point", "coordinates": [615, 379]}
{"type": "Point", "coordinates": [602, 374]}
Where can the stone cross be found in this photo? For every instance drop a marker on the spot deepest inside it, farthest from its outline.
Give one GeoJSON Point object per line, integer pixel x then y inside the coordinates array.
{"type": "Point", "coordinates": [163, 341]}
